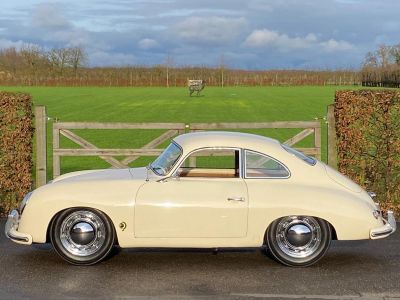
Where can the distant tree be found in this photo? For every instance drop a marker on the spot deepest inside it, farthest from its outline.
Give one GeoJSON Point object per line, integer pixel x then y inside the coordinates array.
{"type": "Point", "coordinates": [222, 69]}
{"type": "Point", "coordinates": [395, 52]}
{"type": "Point", "coordinates": [9, 60]}
{"type": "Point", "coordinates": [371, 60]}
{"type": "Point", "coordinates": [381, 68]}
{"type": "Point", "coordinates": [33, 60]}
{"type": "Point", "coordinates": [169, 62]}
{"type": "Point", "coordinates": [77, 58]}
{"type": "Point", "coordinates": [384, 55]}
{"type": "Point", "coordinates": [58, 58]}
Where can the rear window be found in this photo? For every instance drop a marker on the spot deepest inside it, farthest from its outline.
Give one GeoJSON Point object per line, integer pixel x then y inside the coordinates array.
{"type": "Point", "coordinates": [307, 159]}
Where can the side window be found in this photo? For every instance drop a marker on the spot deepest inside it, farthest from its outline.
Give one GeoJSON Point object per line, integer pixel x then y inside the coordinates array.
{"type": "Point", "coordinates": [258, 165]}
{"type": "Point", "coordinates": [218, 163]}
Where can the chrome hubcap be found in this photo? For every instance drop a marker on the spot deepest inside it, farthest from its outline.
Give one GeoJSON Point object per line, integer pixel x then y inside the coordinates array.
{"type": "Point", "coordinates": [82, 233]}
{"type": "Point", "coordinates": [298, 236]}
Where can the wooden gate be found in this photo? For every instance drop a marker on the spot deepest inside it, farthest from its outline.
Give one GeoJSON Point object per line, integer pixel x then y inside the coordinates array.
{"type": "Point", "coordinates": [108, 155]}
{"type": "Point", "coordinates": [172, 129]}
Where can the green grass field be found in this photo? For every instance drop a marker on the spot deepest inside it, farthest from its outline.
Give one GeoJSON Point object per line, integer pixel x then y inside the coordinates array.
{"type": "Point", "coordinates": [230, 104]}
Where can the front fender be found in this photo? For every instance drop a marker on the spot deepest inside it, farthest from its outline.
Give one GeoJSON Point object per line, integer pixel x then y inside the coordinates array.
{"type": "Point", "coordinates": [115, 199]}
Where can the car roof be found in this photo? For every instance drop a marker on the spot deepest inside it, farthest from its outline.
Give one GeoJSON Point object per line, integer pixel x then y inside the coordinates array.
{"type": "Point", "coordinates": [206, 139]}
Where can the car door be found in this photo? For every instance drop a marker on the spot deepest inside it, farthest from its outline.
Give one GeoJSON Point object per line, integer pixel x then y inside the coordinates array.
{"type": "Point", "coordinates": [207, 202]}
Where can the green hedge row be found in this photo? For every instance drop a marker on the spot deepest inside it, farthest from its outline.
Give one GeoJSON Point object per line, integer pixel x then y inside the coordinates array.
{"type": "Point", "coordinates": [368, 131]}
{"type": "Point", "coordinates": [16, 132]}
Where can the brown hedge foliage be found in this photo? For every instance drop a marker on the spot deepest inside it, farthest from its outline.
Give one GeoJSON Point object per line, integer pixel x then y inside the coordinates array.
{"type": "Point", "coordinates": [368, 131]}
{"type": "Point", "coordinates": [16, 132]}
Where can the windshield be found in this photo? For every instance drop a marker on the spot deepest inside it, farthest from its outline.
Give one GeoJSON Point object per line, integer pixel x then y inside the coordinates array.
{"type": "Point", "coordinates": [309, 160]}
{"type": "Point", "coordinates": [164, 163]}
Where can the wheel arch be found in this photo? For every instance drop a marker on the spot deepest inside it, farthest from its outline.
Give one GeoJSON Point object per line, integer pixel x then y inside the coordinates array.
{"type": "Point", "coordinates": [333, 230]}
{"type": "Point", "coordinates": [50, 224]}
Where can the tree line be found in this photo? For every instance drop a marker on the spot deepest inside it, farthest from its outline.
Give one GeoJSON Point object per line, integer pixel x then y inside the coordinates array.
{"type": "Point", "coordinates": [34, 66]}
{"type": "Point", "coordinates": [31, 63]}
{"type": "Point", "coordinates": [382, 67]}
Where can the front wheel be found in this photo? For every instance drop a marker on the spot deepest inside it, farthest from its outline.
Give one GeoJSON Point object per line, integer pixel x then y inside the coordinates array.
{"type": "Point", "coordinates": [298, 241]}
{"type": "Point", "coordinates": [82, 236]}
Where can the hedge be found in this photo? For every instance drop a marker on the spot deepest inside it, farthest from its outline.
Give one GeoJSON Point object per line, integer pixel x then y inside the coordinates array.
{"type": "Point", "coordinates": [16, 132]}
{"type": "Point", "coordinates": [368, 132]}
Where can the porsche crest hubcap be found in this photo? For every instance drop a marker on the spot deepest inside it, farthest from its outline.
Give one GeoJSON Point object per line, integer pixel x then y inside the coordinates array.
{"type": "Point", "coordinates": [298, 236]}
{"type": "Point", "coordinates": [82, 233]}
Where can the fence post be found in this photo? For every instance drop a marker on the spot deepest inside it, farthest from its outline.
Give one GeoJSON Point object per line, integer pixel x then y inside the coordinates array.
{"type": "Point", "coordinates": [56, 157]}
{"type": "Point", "coordinates": [317, 141]}
{"type": "Point", "coordinates": [332, 140]}
{"type": "Point", "coordinates": [41, 145]}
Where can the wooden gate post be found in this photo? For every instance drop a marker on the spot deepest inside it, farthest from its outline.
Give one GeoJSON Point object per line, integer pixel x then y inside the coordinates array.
{"type": "Point", "coordinates": [56, 156]}
{"type": "Point", "coordinates": [332, 140]}
{"type": "Point", "coordinates": [41, 145]}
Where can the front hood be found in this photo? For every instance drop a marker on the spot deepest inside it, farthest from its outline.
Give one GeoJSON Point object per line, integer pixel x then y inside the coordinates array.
{"type": "Point", "coordinates": [106, 174]}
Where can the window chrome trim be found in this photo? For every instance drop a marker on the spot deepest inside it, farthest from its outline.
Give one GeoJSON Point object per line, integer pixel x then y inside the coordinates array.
{"type": "Point", "coordinates": [287, 148]}
{"type": "Point", "coordinates": [178, 165]}
{"type": "Point", "coordinates": [264, 177]}
{"type": "Point", "coordinates": [176, 161]}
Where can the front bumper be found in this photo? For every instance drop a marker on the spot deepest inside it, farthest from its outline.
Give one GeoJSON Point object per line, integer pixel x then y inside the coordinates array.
{"type": "Point", "coordinates": [387, 229]}
{"type": "Point", "coordinates": [11, 230]}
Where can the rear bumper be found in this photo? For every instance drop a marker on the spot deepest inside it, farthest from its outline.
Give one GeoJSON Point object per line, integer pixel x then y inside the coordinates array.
{"type": "Point", "coordinates": [387, 229]}
{"type": "Point", "coordinates": [11, 230]}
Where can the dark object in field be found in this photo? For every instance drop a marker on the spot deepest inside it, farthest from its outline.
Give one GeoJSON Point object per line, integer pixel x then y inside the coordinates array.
{"type": "Point", "coordinates": [195, 86]}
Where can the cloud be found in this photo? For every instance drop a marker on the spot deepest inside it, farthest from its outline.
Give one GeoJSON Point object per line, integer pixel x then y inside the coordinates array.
{"type": "Point", "coordinates": [5, 43]}
{"type": "Point", "coordinates": [49, 16]}
{"type": "Point", "coordinates": [146, 44]}
{"type": "Point", "coordinates": [334, 46]}
{"type": "Point", "coordinates": [199, 32]}
{"type": "Point", "coordinates": [271, 38]}
{"type": "Point", "coordinates": [50, 22]}
{"type": "Point", "coordinates": [266, 38]}
{"type": "Point", "coordinates": [209, 30]}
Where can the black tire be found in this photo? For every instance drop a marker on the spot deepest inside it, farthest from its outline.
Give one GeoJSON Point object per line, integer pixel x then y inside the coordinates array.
{"type": "Point", "coordinates": [73, 240]}
{"type": "Point", "coordinates": [298, 241]}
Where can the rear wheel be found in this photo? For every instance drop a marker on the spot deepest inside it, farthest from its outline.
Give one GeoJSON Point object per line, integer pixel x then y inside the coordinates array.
{"type": "Point", "coordinates": [298, 241]}
{"type": "Point", "coordinates": [82, 236]}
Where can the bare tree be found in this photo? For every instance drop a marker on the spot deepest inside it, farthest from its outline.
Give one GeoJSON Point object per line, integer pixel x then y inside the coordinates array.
{"type": "Point", "coordinates": [383, 54]}
{"type": "Point", "coordinates": [9, 60]}
{"type": "Point", "coordinates": [371, 60]}
{"type": "Point", "coordinates": [169, 62]}
{"type": "Point", "coordinates": [395, 52]}
{"type": "Point", "coordinates": [222, 69]}
{"type": "Point", "coordinates": [34, 60]}
{"type": "Point", "coordinates": [58, 58]}
{"type": "Point", "coordinates": [77, 57]}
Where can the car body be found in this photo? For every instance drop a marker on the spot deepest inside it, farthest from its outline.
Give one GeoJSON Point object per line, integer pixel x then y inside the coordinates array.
{"type": "Point", "coordinates": [208, 190]}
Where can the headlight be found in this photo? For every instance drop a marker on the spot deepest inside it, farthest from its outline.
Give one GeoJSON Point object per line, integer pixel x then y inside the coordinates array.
{"type": "Point", "coordinates": [24, 202]}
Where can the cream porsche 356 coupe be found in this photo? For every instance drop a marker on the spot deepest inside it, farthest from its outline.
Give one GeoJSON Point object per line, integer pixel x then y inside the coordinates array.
{"type": "Point", "coordinates": [206, 190]}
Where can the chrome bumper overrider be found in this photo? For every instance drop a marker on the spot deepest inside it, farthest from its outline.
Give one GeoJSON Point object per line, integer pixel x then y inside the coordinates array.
{"type": "Point", "coordinates": [11, 230]}
{"type": "Point", "coordinates": [387, 229]}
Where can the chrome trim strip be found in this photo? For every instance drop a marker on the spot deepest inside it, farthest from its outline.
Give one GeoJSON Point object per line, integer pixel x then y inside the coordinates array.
{"type": "Point", "coordinates": [16, 238]}
{"type": "Point", "coordinates": [181, 161]}
{"type": "Point", "coordinates": [11, 229]}
{"type": "Point", "coordinates": [266, 155]}
{"type": "Point", "coordinates": [391, 220]}
{"type": "Point", "coordinates": [385, 232]}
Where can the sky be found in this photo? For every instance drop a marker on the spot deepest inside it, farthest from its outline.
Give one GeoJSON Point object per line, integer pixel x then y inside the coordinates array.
{"type": "Point", "coordinates": [249, 34]}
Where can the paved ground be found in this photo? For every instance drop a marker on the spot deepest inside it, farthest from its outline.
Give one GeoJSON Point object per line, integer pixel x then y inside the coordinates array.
{"type": "Point", "coordinates": [350, 270]}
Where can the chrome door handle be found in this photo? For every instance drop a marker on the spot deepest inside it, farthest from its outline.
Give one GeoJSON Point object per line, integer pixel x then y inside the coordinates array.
{"type": "Point", "coordinates": [239, 199]}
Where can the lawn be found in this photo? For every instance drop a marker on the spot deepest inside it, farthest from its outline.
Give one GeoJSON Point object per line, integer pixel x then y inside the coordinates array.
{"type": "Point", "coordinates": [230, 104]}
